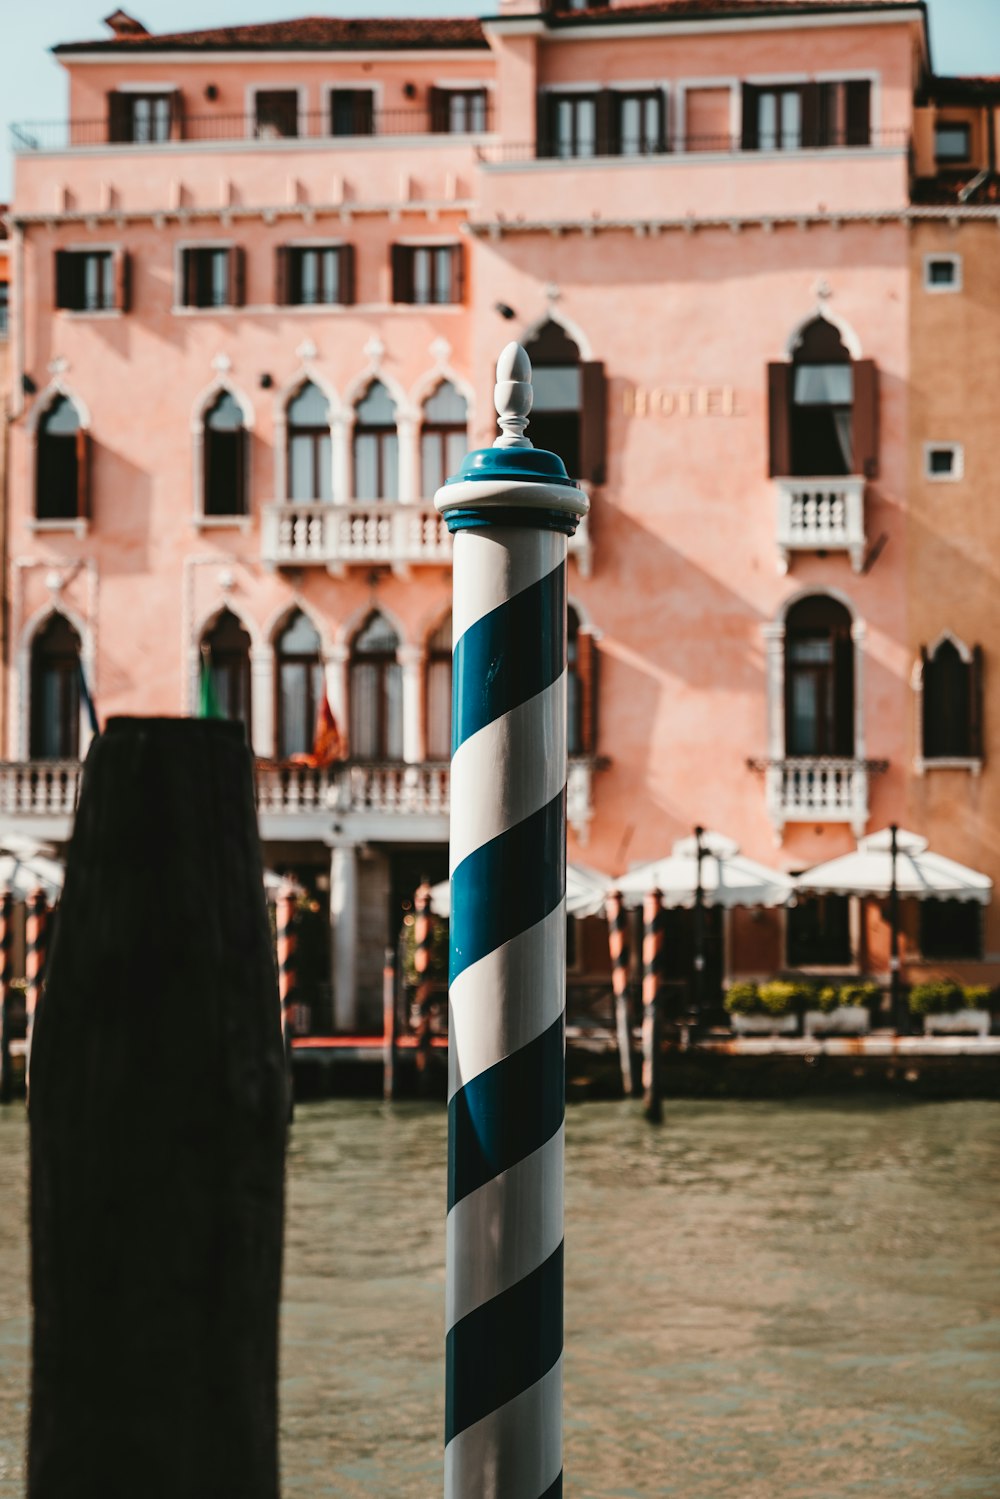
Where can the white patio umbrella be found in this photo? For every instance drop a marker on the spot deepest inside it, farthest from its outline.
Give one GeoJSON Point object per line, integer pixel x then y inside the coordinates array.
{"type": "Point", "coordinates": [21, 873]}
{"type": "Point", "coordinates": [727, 877]}
{"type": "Point", "coordinates": [920, 873]}
{"type": "Point", "coordinates": [585, 892]}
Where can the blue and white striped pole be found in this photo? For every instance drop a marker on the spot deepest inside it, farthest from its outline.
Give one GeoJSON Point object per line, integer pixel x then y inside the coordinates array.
{"type": "Point", "coordinates": [510, 509]}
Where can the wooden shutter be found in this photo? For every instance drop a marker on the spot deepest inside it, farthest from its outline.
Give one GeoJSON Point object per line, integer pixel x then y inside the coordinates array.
{"type": "Point", "coordinates": [750, 136]}
{"type": "Point", "coordinates": [976, 742]}
{"type": "Point", "coordinates": [65, 279]}
{"type": "Point", "coordinates": [187, 288]}
{"type": "Point", "coordinates": [123, 280]}
{"type": "Point", "coordinates": [176, 130]}
{"type": "Point", "coordinates": [240, 460]}
{"type": "Point", "coordinates": [607, 136]}
{"type": "Point", "coordinates": [543, 124]}
{"type": "Point", "coordinates": [810, 96]}
{"type": "Point", "coordinates": [827, 134]}
{"type": "Point", "coordinates": [237, 276]}
{"type": "Point", "coordinates": [593, 421]}
{"type": "Point", "coordinates": [119, 117]}
{"type": "Point", "coordinates": [858, 111]}
{"type": "Point", "coordinates": [843, 690]}
{"type": "Point", "coordinates": [439, 110]}
{"type": "Point", "coordinates": [586, 668]}
{"type": "Point", "coordinates": [82, 474]}
{"type": "Point", "coordinates": [458, 273]}
{"type": "Point", "coordinates": [364, 112]}
{"type": "Point", "coordinates": [346, 270]}
{"type": "Point", "coordinates": [402, 274]}
{"type": "Point", "coordinates": [925, 747]}
{"type": "Point", "coordinates": [779, 414]}
{"type": "Point", "coordinates": [866, 418]}
{"type": "Point", "coordinates": [282, 257]}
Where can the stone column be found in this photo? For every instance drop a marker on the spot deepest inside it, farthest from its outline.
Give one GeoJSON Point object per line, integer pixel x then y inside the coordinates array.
{"type": "Point", "coordinates": [344, 934]}
{"type": "Point", "coordinates": [411, 661]}
{"type": "Point", "coordinates": [262, 702]}
{"type": "Point", "coordinates": [336, 659]}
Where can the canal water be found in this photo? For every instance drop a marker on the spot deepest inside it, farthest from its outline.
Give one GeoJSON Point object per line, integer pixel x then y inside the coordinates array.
{"type": "Point", "coordinates": [763, 1301]}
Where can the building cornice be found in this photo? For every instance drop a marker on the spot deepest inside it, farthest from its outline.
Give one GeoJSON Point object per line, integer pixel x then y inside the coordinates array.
{"type": "Point", "coordinates": [608, 27]}
{"type": "Point", "coordinates": [500, 228]}
{"type": "Point", "coordinates": [126, 60]}
{"type": "Point", "coordinates": [235, 213]}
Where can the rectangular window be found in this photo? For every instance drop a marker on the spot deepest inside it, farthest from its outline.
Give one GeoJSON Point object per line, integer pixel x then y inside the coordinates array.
{"type": "Point", "coordinates": [211, 277]}
{"type": "Point", "coordinates": [639, 123]}
{"type": "Point", "coordinates": [707, 119]}
{"type": "Point", "coordinates": [804, 116]}
{"type": "Point", "coordinates": [427, 275]}
{"type": "Point", "coordinates": [4, 308]}
{"type": "Point", "coordinates": [276, 113]}
{"type": "Point", "coordinates": [779, 119]}
{"type": "Point", "coordinates": [142, 119]}
{"type": "Point", "coordinates": [458, 111]}
{"type": "Point", "coordinates": [352, 111]}
{"type": "Point", "coordinates": [952, 141]}
{"type": "Point", "coordinates": [86, 280]}
{"type": "Point", "coordinates": [315, 276]}
{"type": "Point", "coordinates": [942, 273]}
{"type": "Point", "coordinates": [819, 932]}
{"type": "Point", "coordinates": [951, 929]}
{"type": "Point", "coordinates": [943, 460]}
{"type": "Point", "coordinates": [573, 125]}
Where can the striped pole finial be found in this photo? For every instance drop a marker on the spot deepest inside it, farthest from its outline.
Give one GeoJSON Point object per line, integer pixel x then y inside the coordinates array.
{"type": "Point", "coordinates": [619, 950]}
{"type": "Point", "coordinates": [510, 510]}
{"type": "Point", "coordinates": [652, 943]}
{"type": "Point", "coordinates": [36, 923]}
{"type": "Point", "coordinates": [284, 912]}
{"type": "Point", "coordinates": [6, 954]}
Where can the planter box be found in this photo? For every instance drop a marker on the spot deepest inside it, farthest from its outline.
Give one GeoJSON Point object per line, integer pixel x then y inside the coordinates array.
{"type": "Point", "coordinates": [845, 1020]}
{"type": "Point", "coordinates": [764, 1025]}
{"type": "Point", "coordinates": [959, 1023]}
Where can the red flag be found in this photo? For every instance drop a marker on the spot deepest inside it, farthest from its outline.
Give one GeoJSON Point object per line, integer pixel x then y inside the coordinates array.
{"type": "Point", "coordinates": [327, 744]}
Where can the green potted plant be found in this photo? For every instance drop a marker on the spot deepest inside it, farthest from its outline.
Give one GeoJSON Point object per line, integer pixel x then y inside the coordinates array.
{"type": "Point", "coordinates": [948, 1009]}
{"type": "Point", "coordinates": [763, 1009]}
{"type": "Point", "coordinates": [842, 1009]}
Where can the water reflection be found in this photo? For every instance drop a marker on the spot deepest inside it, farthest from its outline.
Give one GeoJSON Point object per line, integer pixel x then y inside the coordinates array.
{"type": "Point", "coordinates": [764, 1301]}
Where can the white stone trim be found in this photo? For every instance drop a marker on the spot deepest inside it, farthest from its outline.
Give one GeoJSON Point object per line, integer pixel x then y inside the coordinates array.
{"type": "Point", "coordinates": [957, 471]}
{"type": "Point", "coordinates": [555, 314]}
{"type": "Point", "coordinates": [821, 310]}
{"type": "Point", "coordinates": [937, 289]}
{"type": "Point", "coordinates": [251, 90]}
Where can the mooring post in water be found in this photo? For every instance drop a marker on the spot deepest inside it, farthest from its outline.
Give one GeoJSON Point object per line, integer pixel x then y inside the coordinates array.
{"type": "Point", "coordinates": [35, 929]}
{"type": "Point", "coordinates": [618, 946]}
{"type": "Point", "coordinates": [389, 1026]}
{"type": "Point", "coordinates": [423, 937]}
{"type": "Point", "coordinates": [652, 942]}
{"type": "Point", "coordinates": [288, 978]}
{"type": "Point", "coordinates": [158, 1125]}
{"type": "Point", "coordinates": [6, 953]}
{"type": "Point", "coordinates": [510, 509]}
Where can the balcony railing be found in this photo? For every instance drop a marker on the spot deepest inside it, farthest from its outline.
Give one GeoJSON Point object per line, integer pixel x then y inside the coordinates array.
{"type": "Point", "coordinates": [498, 153]}
{"type": "Point", "coordinates": [39, 788]}
{"type": "Point", "coordinates": [180, 129]}
{"type": "Point", "coordinates": [819, 788]}
{"type": "Point", "coordinates": [821, 515]}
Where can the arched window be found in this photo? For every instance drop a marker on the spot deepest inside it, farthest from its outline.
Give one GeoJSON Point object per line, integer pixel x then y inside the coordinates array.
{"type": "Point", "coordinates": [55, 691]}
{"type": "Point", "coordinates": [557, 395]}
{"type": "Point", "coordinates": [439, 692]}
{"type": "Point", "coordinates": [225, 457]}
{"type": "Point", "coordinates": [376, 446]}
{"type": "Point", "coordinates": [823, 409]}
{"type": "Point", "coordinates": [228, 646]}
{"type": "Point", "coordinates": [951, 697]}
{"type": "Point", "coordinates": [574, 685]}
{"type": "Point", "coordinates": [376, 692]}
{"type": "Point", "coordinates": [61, 470]}
{"type": "Point", "coordinates": [819, 679]}
{"type": "Point", "coordinates": [310, 474]}
{"type": "Point", "coordinates": [299, 686]}
{"type": "Point", "coordinates": [443, 437]}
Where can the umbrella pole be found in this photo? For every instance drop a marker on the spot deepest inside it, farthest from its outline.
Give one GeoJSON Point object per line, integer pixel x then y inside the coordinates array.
{"type": "Point", "coordinates": [423, 935]}
{"type": "Point", "coordinates": [618, 945]}
{"type": "Point", "coordinates": [898, 1020]}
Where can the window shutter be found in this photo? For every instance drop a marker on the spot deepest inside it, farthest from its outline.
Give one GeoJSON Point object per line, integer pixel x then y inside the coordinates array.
{"type": "Point", "coordinates": [810, 95]}
{"type": "Point", "coordinates": [606, 134]}
{"type": "Point", "coordinates": [750, 137]}
{"type": "Point", "coordinates": [119, 117]}
{"type": "Point", "coordinates": [458, 273]}
{"type": "Point", "coordinates": [123, 281]}
{"type": "Point", "coordinates": [281, 280]}
{"type": "Point", "coordinates": [237, 276]}
{"type": "Point", "coordinates": [543, 125]}
{"type": "Point", "coordinates": [82, 474]}
{"type": "Point", "coordinates": [779, 405]}
{"type": "Point", "coordinates": [346, 269]}
{"type": "Point", "coordinates": [402, 274]}
{"type": "Point", "coordinates": [187, 287]}
{"type": "Point", "coordinates": [64, 279]}
{"type": "Point", "coordinates": [866, 418]}
{"type": "Point", "coordinates": [176, 131]}
{"type": "Point", "coordinates": [926, 748]}
{"type": "Point", "coordinates": [976, 744]}
{"type": "Point", "coordinates": [594, 421]}
{"type": "Point", "coordinates": [586, 659]}
{"type": "Point", "coordinates": [843, 688]}
{"type": "Point", "coordinates": [661, 122]}
{"type": "Point", "coordinates": [439, 110]}
{"type": "Point", "coordinates": [240, 460]}
{"type": "Point", "coordinates": [858, 110]}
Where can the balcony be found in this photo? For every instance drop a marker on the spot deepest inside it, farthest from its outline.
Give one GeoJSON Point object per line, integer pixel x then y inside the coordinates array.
{"type": "Point", "coordinates": [818, 789]}
{"type": "Point", "coordinates": [821, 515]}
{"type": "Point", "coordinates": [382, 533]}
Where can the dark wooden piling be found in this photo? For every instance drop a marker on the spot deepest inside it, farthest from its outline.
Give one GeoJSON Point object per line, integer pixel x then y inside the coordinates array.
{"type": "Point", "coordinates": [423, 936]}
{"type": "Point", "coordinates": [6, 949]}
{"type": "Point", "coordinates": [158, 1121]}
{"type": "Point", "coordinates": [389, 1026]}
{"type": "Point", "coordinates": [618, 947]}
{"type": "Point", "coordinates": [284, 921]}
{"type": "Point", "coordinates": [652, 940]}
{"type": "Point", "coordinates": [35, 932]}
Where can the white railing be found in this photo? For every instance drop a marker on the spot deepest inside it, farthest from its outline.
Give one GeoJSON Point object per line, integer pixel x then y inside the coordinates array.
{"type": "Point", "coordinates": [39, 788]}
{"type": "Point", "coordinates": [811, 789]}
{"type": "Point", "coordinates": [354, 788]}
{"type": "Point", "coordinates": [821, 515]}
{"type": "Point", "coordinates": [580, 797]}
{"type": "Point", "coordinates": [297, 533]}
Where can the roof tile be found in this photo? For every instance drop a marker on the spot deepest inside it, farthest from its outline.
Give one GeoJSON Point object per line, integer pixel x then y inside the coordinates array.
{"type": "Point", "coordinates": [309, 33]}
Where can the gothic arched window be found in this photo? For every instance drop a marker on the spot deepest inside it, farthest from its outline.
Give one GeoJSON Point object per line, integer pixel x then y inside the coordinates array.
{"type": "Point", "coordinates": [376, 446]}
{"type": "Point", "coordinates": [55, 691]}
{"type": "Point", "coordinates": [443, 437]}
{"type": "Point", "coordinates": [310, 465]}
{"type": "Point", "coordinates": [299, 686]}
{"type": "Point", "coordinates": [228, 648]}
{"type": "Point", "coordinates": [376, 692]}
{"type": "Point", "coordinates": [61, 468]}
{"type": "Point", "coordinates": [819, 679]}
{"type": "Point", "coordinates": [225, 457]}
{"type": "Point", "coordinates": [951, 703]}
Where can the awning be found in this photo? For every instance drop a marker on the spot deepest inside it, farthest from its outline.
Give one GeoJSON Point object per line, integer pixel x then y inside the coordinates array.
{"type": "Point", "coordinates": [920, 873]}
{"type": "Point", "coordinates": [585, 892]}
{"type": "Point", "coordinates": [728, 878]}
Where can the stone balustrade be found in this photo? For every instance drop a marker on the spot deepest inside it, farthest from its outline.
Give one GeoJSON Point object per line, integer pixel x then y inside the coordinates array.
{"type": "Point", "coordinates": [821, 515]}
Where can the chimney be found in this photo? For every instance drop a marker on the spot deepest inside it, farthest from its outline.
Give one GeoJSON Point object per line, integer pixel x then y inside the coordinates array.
{"type": "Point", "coordinates": [124, 25]}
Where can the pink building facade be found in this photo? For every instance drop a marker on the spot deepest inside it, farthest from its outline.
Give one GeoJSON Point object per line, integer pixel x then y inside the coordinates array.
{"type": "Point", "coordinates": [261, 279]}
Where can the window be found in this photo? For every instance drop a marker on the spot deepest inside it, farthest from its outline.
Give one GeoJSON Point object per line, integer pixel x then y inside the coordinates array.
{"type": "Point", "coordinates": [55, 691]}
{"type": "Point", "coordinates": [823, 409]}
{"type": "Point", "coordinates": [276, 113]}
{"type": "Point", "coordinates": [574, 686]}
{"type": "Point", "coordinates": [352, 111]}
{"type": "Point", "coordinates": [819, 932]}
{"type": "Point", "coordinates": [225, 457]}
{"type": "Point", "coordinates": [639, 123]}
{"type": "Point", "coordinates": [91, 280]}
{"type": "Point", "coordinates": [4, 308]}
{"type": "Point", "coordinates": [791, 117]}
{"type": "Point", "coordinates": [819, 679]}
{"type": "Point", "coordinates": [569, 125]}
{"type": "Point", "coordinates": [569, 409]}
{"type": "Point", "coordinates": [212, 276]}
{"type": "Point", "coordinates": [458, 111]}
{"type": "Point", "coordinates": [942, 273]}
{"type": "Point", "coordinates": [427, 275]}
{"type": "Point", "coordinates": [707, 119]}
{"type": "Point", "coordinates": [61, 471]}
{"type": "Point", "coordinates": [299, 686]}
{"type": "Point", "coordinates": [310, 474]}
{"type": "Point", "coordinates": [376, 446]}
{"type": "Point", "coordinates": [228, 648]}
{"type": "Point", "coordinates": [951, 929]}
{"type": "Point", "coordinates": [952, 141]}
{"type": "Point", "coordinates": [951, 707]}
{"type": "Point", "coordinates": [376, 692]}
{"type": "Point", "coordinates": [315, 275]}
{"type": "Point", "coordinates": [143, 119]}
{"type": "Point", "coordinates": [439, 656]}
{"type": "Point", "coordinates": [443, 438]}
{"type": "Point", "coordinates": [944, 460]}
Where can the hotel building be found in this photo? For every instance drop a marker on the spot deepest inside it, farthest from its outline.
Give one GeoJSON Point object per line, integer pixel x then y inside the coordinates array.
{"type": "Point", "coordinates": [261, 278]}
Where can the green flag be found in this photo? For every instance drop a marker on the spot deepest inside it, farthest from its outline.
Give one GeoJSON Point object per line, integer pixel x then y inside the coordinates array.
{"type": "Point", "coordinates": [208, 703]}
